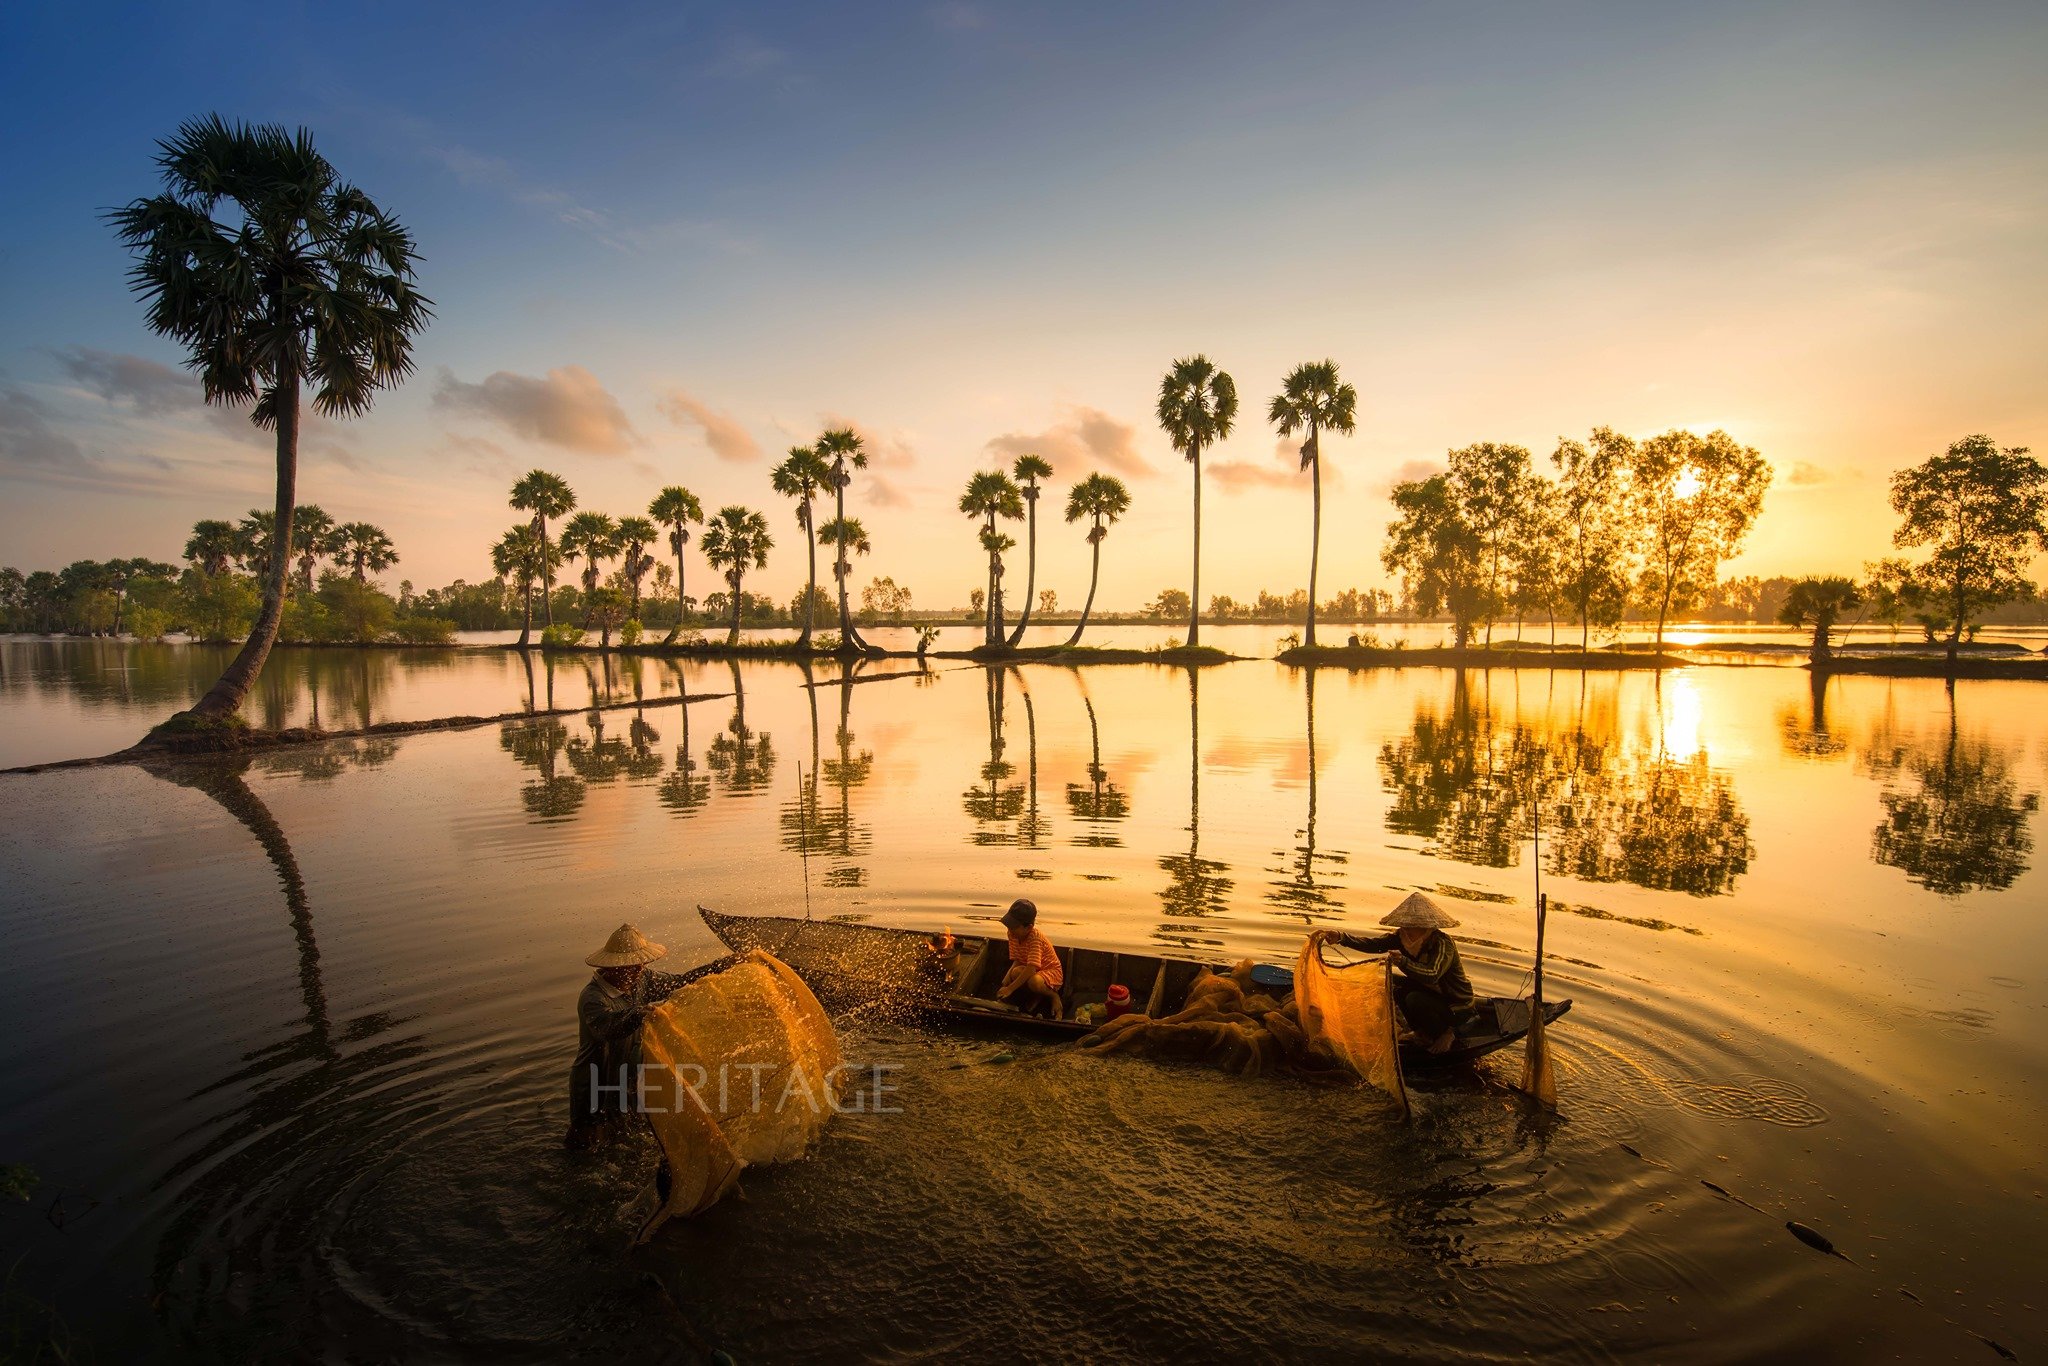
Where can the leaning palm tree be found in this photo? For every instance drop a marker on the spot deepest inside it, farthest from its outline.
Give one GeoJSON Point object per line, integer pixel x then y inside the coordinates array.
{"type": "Point", "coordinates": [592, 537]}
{"type": "Point", "coordinates": [1314, 400]}
{"type": "Point", "coordinates": [675, 507]}
{"type": "Point", "coordinates": [990, 494]}
{"type": "Point", "coordinates": [848, 538]}
{"type": "Point", "coordinates": [635, 535]}
{"type": "Point", "coordinates": [1197, 404]}
{"type": "Point", "coordinates": [364, 548]}
{"type": "Point", "coordinates": [211, 546]}
{"type": "Point", "coordinates": [306, 281]}
{"type": "Point", "coordinates": [801, 474]}
{"type": "Point", "coordinates": [1028, 470]}
{"type": "Point", "coordinates": [544, 495]}
{"type": "Point", "coordinates": [1101, 498]}
{"type": "Point", "coordinates": [520, 556]}
{"type": "Point", "coordinates": [842, 447]}
{"type": "Point", "coordinates": [736, 538]}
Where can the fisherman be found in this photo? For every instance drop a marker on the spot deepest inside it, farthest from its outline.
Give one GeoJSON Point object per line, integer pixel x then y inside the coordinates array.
{"type": "Point", "coordinates": [1433, 993]}
{"type": "Point", "coordinates": [1035, 972]}
{"type": "Point", "coordinates": [608, 1016]}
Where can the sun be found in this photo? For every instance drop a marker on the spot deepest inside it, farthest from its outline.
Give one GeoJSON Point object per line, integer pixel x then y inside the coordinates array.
{"type": "Point", "coordinates": [1688, 483]}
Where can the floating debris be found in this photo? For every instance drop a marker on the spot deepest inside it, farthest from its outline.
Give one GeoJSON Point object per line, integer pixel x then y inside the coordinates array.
{"type": "Point", "coordinates": [1812, 1237]}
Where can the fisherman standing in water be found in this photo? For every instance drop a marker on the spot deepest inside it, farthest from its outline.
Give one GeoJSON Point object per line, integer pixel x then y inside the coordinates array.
{"type": "Point", "coordinates": [1433, 992]}
{"type": "Point", "coordinates": [608, 1018]}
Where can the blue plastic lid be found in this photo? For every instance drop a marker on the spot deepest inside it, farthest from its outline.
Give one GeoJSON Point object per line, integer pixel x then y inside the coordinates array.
{"type": "Point", "coordinates": [1267, 975]}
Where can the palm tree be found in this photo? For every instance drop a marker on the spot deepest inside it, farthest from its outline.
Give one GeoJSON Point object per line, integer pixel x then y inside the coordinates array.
{"type": "Point", "coordinates": [520, 555]}
{"type": "Point", "coordinates": [1102, 498]}
{"type": "Point", "coordinates": [734, 539]}
{"type": "Point", "coordinates": [848, 538]}
{"type": "Point", "coordinates": [312, 539]}
{"type": "Point", "coordinates": [308, 280]}
{"type": "Point", "coordinates": [990, 495]}
{"type": "Point", "coordinates": [211, 546]}
{"type": "Point", "coordinates": [1818, 603]}
{"type": "Point", "coordinates": [593, 537]}
{"type": "Point", "coordinates": [675, 507]}
{"type": "Point", "coordinates": [801, 474]}
{"type": "Point", "coordinates": [364, 548]}
{"type": "Point", "coordinates": [1313, 399]}
{"type": "Point", "coordinates": [1197, 404]}
{"type": "Point", "coordinates": [1028, 470]}
{"type": "Point", "coordinates": [635, 535]}
{"type": "Point", "coordinates": [842, 447]}
{"type": "Point", "coordinates": [544, 495]}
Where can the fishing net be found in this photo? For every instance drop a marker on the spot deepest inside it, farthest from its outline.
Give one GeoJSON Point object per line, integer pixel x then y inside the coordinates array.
{"type": "Point", "coordinates": [1349, 1009]}
{"type": "Point", "coordinates": [741, 1070]}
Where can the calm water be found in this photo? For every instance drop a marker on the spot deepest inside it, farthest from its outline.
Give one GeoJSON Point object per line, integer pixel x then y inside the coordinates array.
{"type": "Point", "coordinates": [285, 1039]}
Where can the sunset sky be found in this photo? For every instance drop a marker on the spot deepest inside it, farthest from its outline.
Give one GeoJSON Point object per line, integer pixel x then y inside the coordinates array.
{"type": "Point", "coordinates": [666, 242]}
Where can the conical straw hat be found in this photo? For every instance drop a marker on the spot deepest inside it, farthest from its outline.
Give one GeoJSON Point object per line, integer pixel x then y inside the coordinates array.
{"type": "Point", "coordinates": [626, 947]}
{"type": "Point", "coordinates": [1418, 912]}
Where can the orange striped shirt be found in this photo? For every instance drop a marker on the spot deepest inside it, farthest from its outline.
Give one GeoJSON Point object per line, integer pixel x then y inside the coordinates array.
{"type": "Point", "coordinates": [1032, 949]}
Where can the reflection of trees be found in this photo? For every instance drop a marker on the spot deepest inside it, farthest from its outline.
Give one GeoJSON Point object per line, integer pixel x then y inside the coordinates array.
{"type": "Point", "coordinates": [1101, 801]}
{"type": "Point", "coordinates": [1300, 892]}
{"type": "Point", "coordinates": [684, 790]}
{"type": "Point", "coordinates": [538, 745]}
{"type": "Point", "coordinates": [1033, 828]}
{"type": "Point", "coordinates": [1808, 735]}
{"type": "Point", "coordinates": [318, 763]}
{"type": "Point", "coordinates": [598, 757]}
{"type": "Point", "coordinates": [1195, 886]}
{"type": "Point", "coordinates": [1615, 810]}
{"type": "Point", "coordinates": [809, 826]}
{"type": "Point", "coordinates": [1955, 817]}
{"type": "Point", "coordinates": [998, 801]}
{"type": "Point", "coordinates": [741, 761]}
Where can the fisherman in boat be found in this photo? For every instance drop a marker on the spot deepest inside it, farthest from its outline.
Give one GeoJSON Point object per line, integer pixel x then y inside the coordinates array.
{"type": "Point", "coordinates": [1035, 973]}
{"type": "Point", "coordinates": [1433, 993]}
{"type": "Point", "coordinates": [608, 1017]}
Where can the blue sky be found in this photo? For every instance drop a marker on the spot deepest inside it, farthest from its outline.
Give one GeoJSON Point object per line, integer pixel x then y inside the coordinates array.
{"type": "Point", "coordinates": [666, 242]}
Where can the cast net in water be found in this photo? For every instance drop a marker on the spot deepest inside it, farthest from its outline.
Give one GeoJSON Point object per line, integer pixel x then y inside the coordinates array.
{"type": "Point", "coordinates": [741, 1070]}
{"type": "Point", "coordinates": [1349, 1009]}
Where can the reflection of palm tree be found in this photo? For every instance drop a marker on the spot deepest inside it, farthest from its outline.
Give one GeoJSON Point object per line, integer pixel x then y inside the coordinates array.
{"type": "Point", "coordinates": [1955, 820]}
{"type": "Point", "coordinates": [1101, 801]}
{"type": "Point", "coordinates": [1031, 831]}
{"type": "Point", "coordinates": [1196, 886]}
{"type": "Point", "coordinates": [538, 745]}
{"type": "Point", "coordinates": [683, 791]}
{"type": "Point", "coordinates": [845, 840]}
{"type": "Point", "coordinates": [994, 806]}
{"type": "Point", "coordinates": [1809, 736]}
{"type": "Point", "coordinates": [741, 763]}
{"type": "Point", "coordinates": [1300, 892]}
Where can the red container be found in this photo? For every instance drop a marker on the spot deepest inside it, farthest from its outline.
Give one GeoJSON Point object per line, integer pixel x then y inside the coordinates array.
{"type": "Point", "coordinates": [1119, 1002]}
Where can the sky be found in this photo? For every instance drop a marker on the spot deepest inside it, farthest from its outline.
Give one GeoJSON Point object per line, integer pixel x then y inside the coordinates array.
{"type": "Point", "coordinates": [666, 242]}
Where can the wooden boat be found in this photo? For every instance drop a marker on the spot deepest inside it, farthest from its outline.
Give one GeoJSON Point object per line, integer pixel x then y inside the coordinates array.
{"type": "Point", "coordinates": [847, 962]}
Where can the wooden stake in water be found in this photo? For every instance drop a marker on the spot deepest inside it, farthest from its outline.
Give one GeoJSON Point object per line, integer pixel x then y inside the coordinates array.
{"type": "Point", "coordinates": [803, 836]}
{"type": "Point", "coordinates": [1537, 1079]}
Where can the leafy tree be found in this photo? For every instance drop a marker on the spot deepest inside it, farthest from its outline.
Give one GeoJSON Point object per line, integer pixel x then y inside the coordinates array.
{"type": "Point", "coordinates": [1984, 512]}
{"type": "Point", "coordinates": [356, 611]}
{"type": "Point", "coordinates": [1891, 592]}
{"type": "Point", "coordinates": [365, 549]}
{"type": "Point", "coordinates": [843, 449]}
{"type": "Point", "coordinates": [802, 473]}
{"type": "Point", "coordinates": [1102, 499]}
{"type": "Point", "coordinates": [218, 607]}
{"type": "Point", "coordinates": [1028, 470]}
{"type": "Point", "coordinates": [1197, 405]}
{"type": "Point", "coordinates": [884, 600]}
{"type": "Point", "coordinates": [1437, 552]}
{"type": "Point", "coordinates": [733, 540]}
{"type": "Point", "coordinates": [990, 494]}
{"type": "Point", "coordinates": [1170, 604]}
{"type": "Point", "coordinates": [592, 537]}
{"type": "Point", "coordinates": [1818, 603]}
{"type": "Point", "coordinates": [1534, 561]}
{"type": "Point", "coordinates": [635, 535]}
{"type": "Point", "coordinates": [675, 507]}
{"type": "Point", "coordinates": [211, 546]}
{"type": "Point", "coordinates": [605, 609]}
{"type": "Point", "coordinates": [1048, 601]}
{"type": "Point", "coordinates": [1492, 483]}
{"type": "Point", "coordinates": [544, 495]}
{"type": "Point", "coordinates": [1312, 399]}
{"type": "Point", "coordinates": [521, 556]}
{"type": "Point", "coordinates": [1695, 498]}
{"type": "Point", "coordinates": [1596, 537]}
{"type": "Point", "coordinates": [305, 281]}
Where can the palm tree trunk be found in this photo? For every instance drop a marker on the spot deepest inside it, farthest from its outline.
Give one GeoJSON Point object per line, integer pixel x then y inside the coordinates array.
{"type": "Point", "coordinates": [677, 629]}
{"type": "Point", "coordinates": [526, 623]}
{"type": "Point", "coordinates": [1094, 574]}
{"type": "Point", "coordinates": [1315, 535]}
{"type": "Point", "coordinates": [739, 600]}
{"type": "Point", "coordinates": [547, 571]}
{"type": "Point", "coordinates": [1195, 585]}
{"type": "Point", "coordinates": [1030, 575]}
{"type": "Point", "coordinates": [811, 581]}
{"type": "Point", "coordinates": [224, 698]}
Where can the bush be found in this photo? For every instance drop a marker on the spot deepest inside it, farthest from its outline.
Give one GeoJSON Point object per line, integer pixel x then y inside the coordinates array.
{"type": "Point", "coordinates": [630, 631]}
{"type": "Point", "coordinates": [305, 620]}
{"type": "Point", "coordinates": [148, 623]}
{"type": "Point", "coordinates": [357, 612]}
{"type": "Point", "coordinates": [423, 631]}
{"type": "Point", "coordinates": [562, 635]}
{"type": "Point", "coordinates": [219, 607]}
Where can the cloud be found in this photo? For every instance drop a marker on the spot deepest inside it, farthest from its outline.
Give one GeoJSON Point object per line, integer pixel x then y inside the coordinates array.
{"type": "Point", "coordinates": [722, 432]}
{"type": "Point", "coordinates": [1083, 439]}
{"type": "Point", "coordinates": [145, 385]}
{"type": "Point", "coordinates": [1284, 473]}
{"type": "Point", "coordinates": [881, 491]}
{"type": "Point", "coordinates": [478, 171]}
{"type": "Point", "coordinates": [892, 452]}
{"type": "Point", "coordinates": [1408, 472]}
{"type": "Point", "coordinates": [569, 408]}
{"type": "Point", "coordinates": [1805, 475]}
{"type": "Point", "coordinates": [28, 439]}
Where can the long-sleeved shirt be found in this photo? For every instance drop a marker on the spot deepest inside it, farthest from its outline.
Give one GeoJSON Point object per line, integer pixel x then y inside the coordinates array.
{"type": "Point", "coordinates": [1436, 968]}
{"type": "Point", "coordinates": [608, 1040]}
{"type": "Point", "coordinates": [1030, 948]}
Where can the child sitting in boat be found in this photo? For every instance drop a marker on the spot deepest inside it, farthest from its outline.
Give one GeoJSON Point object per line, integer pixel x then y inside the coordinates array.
{"type": "Point", "coordinates": [1035, 975]}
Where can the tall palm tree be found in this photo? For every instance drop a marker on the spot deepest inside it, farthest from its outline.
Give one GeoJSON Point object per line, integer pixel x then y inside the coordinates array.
{"type": "Point", "coordinates": [520, 556]}
{"type": "Point", "coordinates": [307, 280]}
{"type": "Point", "coordinates": [736, 538]}
{"type": "Point", "coordinates": [801, 474]}
{"type": "Point", "coordinates": [675, 507]}
{"type": "Point", "coordinates": [364, 548]}
{"type": "Point", "coordinates": [990, 494]}
{"type": "Point", "coordinates": [1197, 404]}
{"type": "Point", "coordinates": [312, 540]}
{"type": "Point", "coordinates": [848, 538]}
{"type": "Point", "coordinates": [1028, 470]}
{"type": "Point", "coordinates": [1314, 400]}
{"type": "Point", "coordinates": [842, 447]}
{"type": "Point", "coordinates": [544, 495]}
{"type": "Point", "coordinates": [1102, 498]}
{"type": "Point", "coordinates": [592, 537]}
{"type": "Point", "coordinates": [635, 535]}
{"type": "Point", "coordinates": [211, 546]}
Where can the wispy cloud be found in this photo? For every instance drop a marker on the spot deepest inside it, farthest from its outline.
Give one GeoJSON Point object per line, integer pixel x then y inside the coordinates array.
{"type": "Point", "coordinates": [615, 230]}
{"type": "Point", "coordinates": [30, 439]}
{"type": "Point", "coordinates": [892, 451]}
{"type": "Point", "coordinates": [147, 386]}
{"type": "Point", "coordinates": [1083, 439]}
{"type": "Point", "coordinates": [568, 408]}
{"type": "Point", "coordinates": [957, 16]}
{"type": "Point", "coordinates": [1285, 471]}
{"type": "Point", "coordinates": [722, 432]}
{"type": "Point", "coordinates": [745, 57]}
{"type": "Point", "coordinates": [1807, 475]}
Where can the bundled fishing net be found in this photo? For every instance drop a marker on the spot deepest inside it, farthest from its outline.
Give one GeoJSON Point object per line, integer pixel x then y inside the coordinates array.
{"type": "Point", "coordinates": [1337, 1019]}
{"type": "Point", "coordinates": [741, 1070]}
